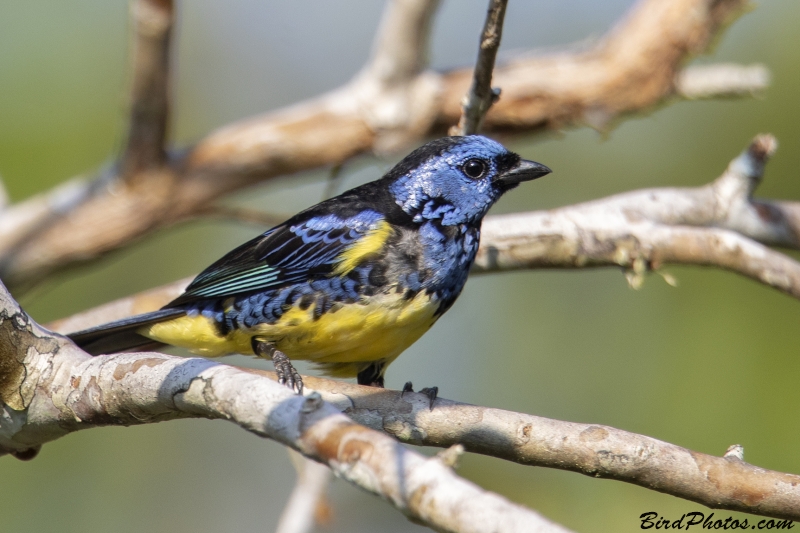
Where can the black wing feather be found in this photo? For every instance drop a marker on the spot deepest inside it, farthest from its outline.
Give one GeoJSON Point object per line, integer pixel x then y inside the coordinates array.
{"type": "Point", "coordinates": [305, 246]}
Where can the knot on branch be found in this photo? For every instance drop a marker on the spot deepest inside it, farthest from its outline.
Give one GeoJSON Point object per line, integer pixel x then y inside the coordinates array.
{"type": "Point", "coordinates": [763, 147]}
{"type": "Point", "coordinates": [17, 339]}
{"type": "Point", "coordinates": [734, 452]}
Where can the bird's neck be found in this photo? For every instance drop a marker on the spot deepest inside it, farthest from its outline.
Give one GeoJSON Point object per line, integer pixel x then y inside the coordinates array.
{"type": "Point", "coordinates": [452, 264]}
{"type": "Point", "coordinates": [433, 258]}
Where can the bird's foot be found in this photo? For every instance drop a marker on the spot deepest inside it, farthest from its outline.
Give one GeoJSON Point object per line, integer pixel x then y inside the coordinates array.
{"type": "Point", "coordinates": [287, 374]}
{"type": "Point", "coordinates": [431, 392]}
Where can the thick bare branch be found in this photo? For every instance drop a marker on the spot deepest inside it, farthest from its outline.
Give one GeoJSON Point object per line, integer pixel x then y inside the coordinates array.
{"type": "Point", "coordinates": [147, 131]}
{"type": "Point", "coordinates": [719, 224]}
{"type": "Point", "coordinates": [400, 50]}
{"type": "Point", "coordinates": [49, 388]}
{"type": "Point", "coordinates": [598, 451]}
{"type": "Point", "coordinates": [632, 69]}
{"type": "Point", "coordinates": [714, 225]}
{"type": "Point", "coordinates": [480, 96]}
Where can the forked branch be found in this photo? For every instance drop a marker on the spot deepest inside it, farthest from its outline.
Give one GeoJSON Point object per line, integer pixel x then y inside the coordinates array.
{"type": "Point", "coordinates": [392, 103]}
{"type": "Point", "coordinates": [719, 224]}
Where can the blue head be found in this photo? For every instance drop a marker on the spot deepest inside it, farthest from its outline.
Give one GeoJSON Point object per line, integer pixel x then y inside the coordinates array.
{"type": "Point", "coordinates": [455, 180]}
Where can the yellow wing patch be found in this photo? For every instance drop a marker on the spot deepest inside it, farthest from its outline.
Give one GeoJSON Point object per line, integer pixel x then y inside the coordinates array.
{"type": "Point", "coordinates": [366, 246]}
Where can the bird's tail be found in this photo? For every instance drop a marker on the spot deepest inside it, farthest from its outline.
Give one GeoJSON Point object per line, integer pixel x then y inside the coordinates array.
{"type": "Point", "coordinates": [121, 335]}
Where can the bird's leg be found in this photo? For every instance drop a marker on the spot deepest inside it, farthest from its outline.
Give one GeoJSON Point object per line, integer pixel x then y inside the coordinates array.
{"type": "Point", "coordinates": [372, 376]}
{"type": "Point", "coordinates": [287, 375]}
{"type": "Point", "coordinates": [408, 387]}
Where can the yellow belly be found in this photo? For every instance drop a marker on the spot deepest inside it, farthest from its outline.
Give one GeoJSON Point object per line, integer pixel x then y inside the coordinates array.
{"type": "Point", "coordinates": [378, 329]}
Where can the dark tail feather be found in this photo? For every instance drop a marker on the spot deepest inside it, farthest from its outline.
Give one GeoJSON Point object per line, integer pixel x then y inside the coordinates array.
{"type": "Point", "coordinates": [121, 336]}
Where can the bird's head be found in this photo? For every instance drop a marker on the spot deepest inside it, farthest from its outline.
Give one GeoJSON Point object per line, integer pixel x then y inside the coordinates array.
{"type": "Point", "coordinates": [457, 179]}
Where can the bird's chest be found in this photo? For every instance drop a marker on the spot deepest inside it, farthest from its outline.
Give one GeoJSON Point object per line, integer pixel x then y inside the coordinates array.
{"type": "Point", "coordinates": [434, 260]}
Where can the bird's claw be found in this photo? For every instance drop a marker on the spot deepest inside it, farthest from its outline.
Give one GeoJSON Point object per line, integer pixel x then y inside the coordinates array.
{"type": "Point", "coordinates": [432, 393]}
{"type": "Point", "coordinates": [287, 374]}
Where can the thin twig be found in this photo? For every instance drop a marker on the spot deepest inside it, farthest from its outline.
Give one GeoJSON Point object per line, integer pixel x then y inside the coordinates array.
{"type": "Point", "coordinates": [142, 302]}
{"type": "Point", "coordinates": [481, 96]}
{"type": "Point", "coordinates": [4, 198]}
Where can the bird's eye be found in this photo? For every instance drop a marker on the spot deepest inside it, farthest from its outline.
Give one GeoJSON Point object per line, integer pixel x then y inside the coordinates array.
{"type": "Point", "coordinates": [474, 168]}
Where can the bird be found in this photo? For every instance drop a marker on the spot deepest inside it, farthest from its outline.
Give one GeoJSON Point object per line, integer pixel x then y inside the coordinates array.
{"type": "Point", "coordinates": [348, 283]}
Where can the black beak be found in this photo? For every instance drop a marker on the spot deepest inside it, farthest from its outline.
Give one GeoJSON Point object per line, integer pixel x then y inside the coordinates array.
{"type": "Point", "coordinates": [523, 171]}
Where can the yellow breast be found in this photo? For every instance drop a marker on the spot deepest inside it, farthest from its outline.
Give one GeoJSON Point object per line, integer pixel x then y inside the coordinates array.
{"type": "Point", "coordinates": [377, 328]}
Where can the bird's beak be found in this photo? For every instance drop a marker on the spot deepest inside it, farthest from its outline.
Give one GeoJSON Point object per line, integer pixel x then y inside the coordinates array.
{"type": "Point", "coordinates": [524, 171]}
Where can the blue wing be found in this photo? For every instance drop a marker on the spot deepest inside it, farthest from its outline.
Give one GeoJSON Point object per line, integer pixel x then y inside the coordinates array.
{"type": "Point", "coordinates": [299, 249]}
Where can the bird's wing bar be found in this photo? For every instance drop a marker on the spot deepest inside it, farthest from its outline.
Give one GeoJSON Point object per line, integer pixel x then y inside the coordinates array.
{"type": "Point", "coordinates": [286, 254]}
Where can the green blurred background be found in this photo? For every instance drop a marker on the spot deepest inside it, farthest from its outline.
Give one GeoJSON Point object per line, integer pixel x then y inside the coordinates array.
{"type": "Point", "coordinates": [705, 365]}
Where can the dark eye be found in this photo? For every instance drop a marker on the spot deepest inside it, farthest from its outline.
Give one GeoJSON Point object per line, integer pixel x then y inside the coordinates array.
{"type": "Point", "coordinates": [474, 168]}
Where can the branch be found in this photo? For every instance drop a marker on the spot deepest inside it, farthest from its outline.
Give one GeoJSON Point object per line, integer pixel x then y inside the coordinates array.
{"type": "Point", "coordinates": [634, 67]}
{"type": "Point", "coordinates": [244, 215]}
{"type": "Point", "coordinates": [714, 225]}
{"type": "Point", "coordinates": [49, 388]}
{"type": "Point", "coordinates": [142, 302]}
{"type": "Point", "coordinates": [149, 113]}
{"type": "Point", "coordinates": [308, 494]}
{"type": "Point", "coordinates": [598, 451]}
{"type": "Point", "coordinates": [719, 224]}
{"type": "Point", "coordinates": [480, 96]}
{"type": "Point", "coordinates": [390, 104]}
{"type": "Point", "coordinates": [721, 80]}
